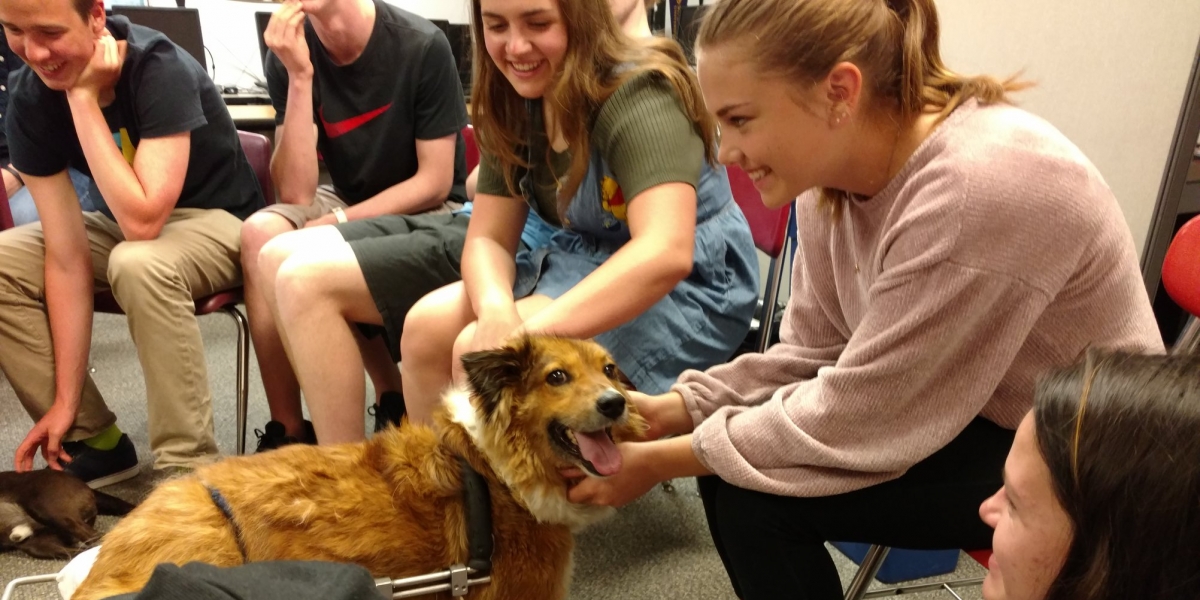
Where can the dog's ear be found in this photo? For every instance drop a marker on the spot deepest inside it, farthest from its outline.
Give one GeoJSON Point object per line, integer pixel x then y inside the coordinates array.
{"type": "Point", "coordinates": [490, 372]}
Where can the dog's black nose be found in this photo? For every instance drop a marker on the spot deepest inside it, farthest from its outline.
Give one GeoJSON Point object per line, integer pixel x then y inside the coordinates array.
{"type": "Point", "coordinates": [611, 404]}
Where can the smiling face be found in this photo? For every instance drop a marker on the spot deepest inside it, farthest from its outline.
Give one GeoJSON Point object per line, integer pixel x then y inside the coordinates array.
{"type": "Point", "coordinates": [527, 40]}
{"type": "Point", "coordinates": [51, 37]}
{"type": "Point", "coordinates": [560, 399]}
{"type": "Point", "coordinates": [770, 127]}
{"type": "Point", "coordinates": [1032, 531]}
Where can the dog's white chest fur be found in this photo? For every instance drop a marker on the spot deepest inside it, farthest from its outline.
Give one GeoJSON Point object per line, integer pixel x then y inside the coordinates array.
{"type": "Point", "coordinates": [546, 505]}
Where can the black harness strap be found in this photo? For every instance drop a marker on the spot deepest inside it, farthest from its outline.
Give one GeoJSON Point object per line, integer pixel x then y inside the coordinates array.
{"type": "Point", "coordinates": [477, 508]}
{"type": "Point", "coordinates": [223, 505]}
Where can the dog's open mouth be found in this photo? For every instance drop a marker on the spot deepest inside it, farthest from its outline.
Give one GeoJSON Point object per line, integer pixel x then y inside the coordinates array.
{"type": "Point", "coordinates": [595, 450]}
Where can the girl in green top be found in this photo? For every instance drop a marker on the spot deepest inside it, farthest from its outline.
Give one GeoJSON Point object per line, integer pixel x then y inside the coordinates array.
{"type": "Point", "coordinates": [605, 137]}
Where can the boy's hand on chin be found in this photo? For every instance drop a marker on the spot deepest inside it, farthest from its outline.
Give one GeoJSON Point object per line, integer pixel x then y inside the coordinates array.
{"type": "Point", "coordinates": [102, 71]}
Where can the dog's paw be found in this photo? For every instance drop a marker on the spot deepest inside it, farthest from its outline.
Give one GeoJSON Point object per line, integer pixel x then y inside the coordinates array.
{"type": "Point", "coordinates": [20, 533]}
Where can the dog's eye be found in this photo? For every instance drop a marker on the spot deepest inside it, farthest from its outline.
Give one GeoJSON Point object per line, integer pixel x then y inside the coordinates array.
{"type": "Point", "coordinates": [610, 371]}
{"type": "Point", "coordinates": [558, 377]}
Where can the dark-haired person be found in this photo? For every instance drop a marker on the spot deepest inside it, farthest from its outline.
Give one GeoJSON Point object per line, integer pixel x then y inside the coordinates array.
{"type": "Point", "coordinates": [372, 90]}
{"type": "Point", "coordinates": [604, 136]}
{"type": "Point", "coordinates": [1101, 496]}
{"type": "Point", "coordinates": [323, 291]}
{"type": "Point", "coordinates": [125, 105]}
{"type": "Point", "coordinates": [932, 286]}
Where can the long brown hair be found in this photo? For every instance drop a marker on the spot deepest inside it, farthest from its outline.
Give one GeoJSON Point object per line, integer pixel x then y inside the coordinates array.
{"type": "Point", "coordinates": [599, 58]}
{"type": "Point", "coordinates": [1121, 436]}
{"type": "Point", "coordinates": [893, 42]}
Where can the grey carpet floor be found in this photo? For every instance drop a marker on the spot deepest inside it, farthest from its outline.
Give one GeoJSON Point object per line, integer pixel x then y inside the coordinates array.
{"type": "Point", "coordinates": [657, 547]}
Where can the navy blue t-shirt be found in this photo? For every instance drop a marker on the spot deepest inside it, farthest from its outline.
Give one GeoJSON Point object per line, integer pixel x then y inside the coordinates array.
{"type": "Point", "coordinates": [369, 113]}
{"type": "Point", "coordinates": [162, 91]}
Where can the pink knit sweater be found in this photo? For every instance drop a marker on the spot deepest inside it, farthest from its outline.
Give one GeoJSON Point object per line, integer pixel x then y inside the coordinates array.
{"type": "Point", "coordinates": [996, 253]}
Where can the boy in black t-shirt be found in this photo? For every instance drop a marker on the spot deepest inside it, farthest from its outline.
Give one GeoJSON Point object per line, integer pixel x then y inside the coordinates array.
{"type": "Point", "coordinates": [124, 105]}
{"type": "Point", "coordinates": [374, 92]}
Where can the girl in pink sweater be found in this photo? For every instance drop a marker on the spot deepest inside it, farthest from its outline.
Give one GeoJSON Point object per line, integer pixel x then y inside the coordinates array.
{"type": "Point", "coordinates": [952, 248]}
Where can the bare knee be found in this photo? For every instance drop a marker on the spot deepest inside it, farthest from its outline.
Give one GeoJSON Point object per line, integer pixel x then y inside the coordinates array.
{"type": "Point", "coordinates": [426, 332]}
{"type": "Point", "coordinates": [272, 256]}
{"type": "Point", "coordinates": [257, 230]}
{"type": "Point", "coordinates": [297, 279]}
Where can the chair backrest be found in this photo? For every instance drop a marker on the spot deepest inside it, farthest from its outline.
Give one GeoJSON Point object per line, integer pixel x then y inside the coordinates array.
{"type": "Point", "coordinates": [767, 225]}
{"type": "Point", "coordinates": [6, 218]}
{"type": "Point", "coordinates": [468, 134]}
{"type": "Point", "coordinates": [257, 149]}
{"type": "Point", "coordinates": [1181, 267]}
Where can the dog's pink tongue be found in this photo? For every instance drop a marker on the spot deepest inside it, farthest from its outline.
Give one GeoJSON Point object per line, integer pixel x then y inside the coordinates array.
{"type": "Point", "coordinates": [599, 450]}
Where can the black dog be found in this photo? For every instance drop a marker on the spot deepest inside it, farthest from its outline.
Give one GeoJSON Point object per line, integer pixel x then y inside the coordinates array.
{"type": "Point", "coordinates": [50, 514]}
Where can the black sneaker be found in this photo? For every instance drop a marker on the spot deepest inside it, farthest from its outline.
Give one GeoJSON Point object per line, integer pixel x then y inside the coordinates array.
{"type": "Point", "coordinates": [102, 467]}
{"type": "Point", "coordinates": [274, 435]}
{"type": "Point", "coordinates": [388, 412]}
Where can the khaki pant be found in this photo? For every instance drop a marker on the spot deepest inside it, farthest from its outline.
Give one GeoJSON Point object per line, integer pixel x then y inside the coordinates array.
{"type": "Point", "coordinates": [154, 281]}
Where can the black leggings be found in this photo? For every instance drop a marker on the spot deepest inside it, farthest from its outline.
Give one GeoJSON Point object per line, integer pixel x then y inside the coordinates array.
{"type": "Point", "coordinates": [774, 546]}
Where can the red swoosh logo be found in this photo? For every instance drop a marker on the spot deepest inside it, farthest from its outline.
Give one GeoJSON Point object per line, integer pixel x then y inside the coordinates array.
{"type": "Point", "coordinates": [341, 128]}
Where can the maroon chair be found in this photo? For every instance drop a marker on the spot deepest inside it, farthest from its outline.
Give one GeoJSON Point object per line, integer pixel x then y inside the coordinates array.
{"type": "Point", "coordinates": [468, 134]}
{"type": "Point", "coordinates": [6, 218]}
{"type": "Point", "coordinates": [769, 228]}
{"type": "Point", "coordinates": [258, 151]}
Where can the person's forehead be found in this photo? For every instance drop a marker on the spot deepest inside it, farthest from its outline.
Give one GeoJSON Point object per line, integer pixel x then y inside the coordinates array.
{"type": "Point", "coordinates": [47, 12]}
{"type": "Point", "coordinates": [1025, 471]}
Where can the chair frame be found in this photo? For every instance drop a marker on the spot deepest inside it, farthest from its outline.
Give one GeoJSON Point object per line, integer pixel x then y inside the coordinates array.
{"type": "Point", "coordinates": [873, 560]}
{"type": "Point", "coordinates": [769, 227]}
{"type": "Point", "coordinates": [226, 300]}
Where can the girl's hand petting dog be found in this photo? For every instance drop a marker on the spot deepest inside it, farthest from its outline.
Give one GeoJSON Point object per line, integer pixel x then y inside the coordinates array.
{"type": "Point", "coordinates": [666, 414]}
{"type": "Point", "coordinates": [643, 464]}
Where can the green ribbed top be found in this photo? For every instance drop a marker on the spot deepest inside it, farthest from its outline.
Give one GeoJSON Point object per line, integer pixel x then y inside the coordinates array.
{"type": "Point", "coordinates": [641, 131]}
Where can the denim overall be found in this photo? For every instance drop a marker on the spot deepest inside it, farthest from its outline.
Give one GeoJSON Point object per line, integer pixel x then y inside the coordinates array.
{"type": "Point", "coordinates": [700, 322]}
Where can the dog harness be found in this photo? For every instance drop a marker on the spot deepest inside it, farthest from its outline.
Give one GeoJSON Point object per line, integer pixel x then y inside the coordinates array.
{"type": "Point", "coordinates": [477, 508]}
{"type": "Point", "coordinates": [223, 506]}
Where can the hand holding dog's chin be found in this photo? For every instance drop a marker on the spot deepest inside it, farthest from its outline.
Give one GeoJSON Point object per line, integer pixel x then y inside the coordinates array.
{"type": "Point", "coordinates": [46, 434]}
{"type": "Point", "coordinates": [636, 477]}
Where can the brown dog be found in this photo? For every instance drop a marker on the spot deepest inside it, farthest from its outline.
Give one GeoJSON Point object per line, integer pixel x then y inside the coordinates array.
{"type": "Point", "coordinates": [394, 504]}
{"type": "Point", "coordinates": [50, 514]}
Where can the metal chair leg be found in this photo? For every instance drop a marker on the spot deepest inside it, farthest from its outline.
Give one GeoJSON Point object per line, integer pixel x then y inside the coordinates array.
{"type": "Point", "coordinates": [866, 572]}
{"type": "Point", "coordinates": [1189, 340]}
{"type": "Point", "coordinates": [20, 581]}
{"type": "Point", "coordinates": [243, 374]}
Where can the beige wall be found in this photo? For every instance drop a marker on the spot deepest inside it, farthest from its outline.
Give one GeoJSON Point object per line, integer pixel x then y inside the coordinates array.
{"type": "Point", "coordinates": [1111, 75]}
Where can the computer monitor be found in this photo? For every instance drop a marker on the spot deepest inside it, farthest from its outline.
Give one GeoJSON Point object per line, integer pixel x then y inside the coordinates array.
{"type": "Point", "coordinates": [460, 44]}
{"type": "Point", "coordinates": [261, 20]}
{"type": "Point", "coordinates": [180, 25]}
